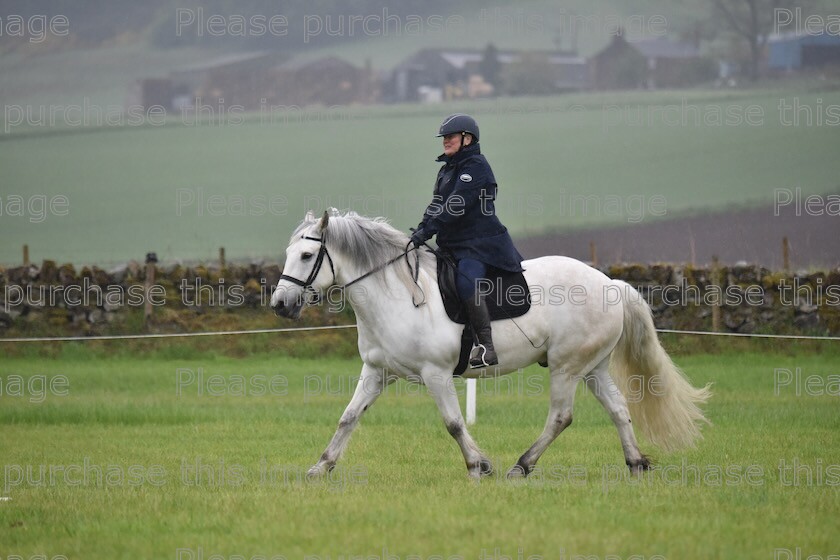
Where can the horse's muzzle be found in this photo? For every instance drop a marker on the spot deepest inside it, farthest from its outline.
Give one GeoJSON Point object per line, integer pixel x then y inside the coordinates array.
{"type": "Point", "coordinates": [288, 311]}
{"type": "Point", "coordinates": [285, 306]}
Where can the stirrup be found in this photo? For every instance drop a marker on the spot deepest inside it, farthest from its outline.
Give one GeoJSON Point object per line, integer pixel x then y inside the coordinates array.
{"type": "Point", "coordinates": [479, 359]}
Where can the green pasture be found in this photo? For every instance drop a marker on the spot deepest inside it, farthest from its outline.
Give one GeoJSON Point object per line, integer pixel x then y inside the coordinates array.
{"type": "Point", "coordinates": [182, 472]}
{"type": "Point", "coordinates": [185, 187]}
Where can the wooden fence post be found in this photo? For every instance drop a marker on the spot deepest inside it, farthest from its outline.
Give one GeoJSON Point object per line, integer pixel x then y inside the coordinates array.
{"type": "Point", "coordinates": [222, 258]}
{"type": "Point", "coordinates": [785, 254]}
{"type": "Point", "coordinates": [716, 305]}
{"type": "Point", "coordinates": [26, 255]}
{"type": "Point", "coordinates": [151, 259]}
{"type": "Point", "coordinates": [593, 254]}
{"type": "Point", "coordinates": [693, 255]}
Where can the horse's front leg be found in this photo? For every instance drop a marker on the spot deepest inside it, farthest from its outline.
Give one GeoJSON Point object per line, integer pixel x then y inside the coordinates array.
{"type": "Point", "coordinates": [442, 388]}
{"type": "Point", "coordinates": [371, 383]}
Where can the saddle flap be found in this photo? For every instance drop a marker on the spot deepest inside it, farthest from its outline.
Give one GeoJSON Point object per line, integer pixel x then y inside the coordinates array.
{"type": "Point", "coordinates": [447, 272]}
{"type": "Point", "coordinates": [506, 293]}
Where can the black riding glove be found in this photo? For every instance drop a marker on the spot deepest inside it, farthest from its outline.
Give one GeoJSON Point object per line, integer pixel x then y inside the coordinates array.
{"type": "Point", "coordinates": [419, 237]}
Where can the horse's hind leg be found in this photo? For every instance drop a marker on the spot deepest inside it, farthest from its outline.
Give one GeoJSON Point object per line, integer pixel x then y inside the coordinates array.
{"type": "Point", "coordinates": [370, 385]}
{"type": "Point", "coordinates": [563, 387]}
{"type": "Point", "coordinates": [602, 385]}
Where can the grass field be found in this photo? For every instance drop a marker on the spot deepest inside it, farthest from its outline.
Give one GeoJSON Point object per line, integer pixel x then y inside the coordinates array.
{"type": "Point", "coordinates": [184, 470]}
{"type": "Point", "coordinates": [184, 191]}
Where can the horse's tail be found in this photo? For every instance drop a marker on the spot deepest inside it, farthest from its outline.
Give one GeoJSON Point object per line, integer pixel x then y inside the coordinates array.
{"type": "Point", "coordinates": [661, 400]}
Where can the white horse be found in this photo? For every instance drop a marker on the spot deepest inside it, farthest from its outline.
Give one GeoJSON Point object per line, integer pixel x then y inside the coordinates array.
{"type": "Point", "coordinates": [584, 325]}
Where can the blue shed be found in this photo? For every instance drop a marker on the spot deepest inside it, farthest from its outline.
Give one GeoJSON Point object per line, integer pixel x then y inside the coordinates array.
{"type": "Point", "coordinates": [791, 51]}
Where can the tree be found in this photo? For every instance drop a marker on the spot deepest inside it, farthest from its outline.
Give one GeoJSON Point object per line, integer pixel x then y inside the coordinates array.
{"type": "Point", "coordinates": [490, 67]}
{"type": "Point", "coordinates": [753, 20]}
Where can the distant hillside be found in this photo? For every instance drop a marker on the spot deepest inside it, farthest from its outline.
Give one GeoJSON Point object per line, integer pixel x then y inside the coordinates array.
{"type": "Point", "coordinates": [580, 24]}
{"type": "Point", "coordinates": [97, 21]}
{"type": "Point", "coordinates": [306, 25]}
{"type": "Point", "coordinates": [91, 21]}
{"type": "Point", "coordinates": [112, 44]}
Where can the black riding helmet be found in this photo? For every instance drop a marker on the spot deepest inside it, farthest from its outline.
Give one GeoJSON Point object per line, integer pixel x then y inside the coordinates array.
{"type": "Point", "coordinates": [459, 122]}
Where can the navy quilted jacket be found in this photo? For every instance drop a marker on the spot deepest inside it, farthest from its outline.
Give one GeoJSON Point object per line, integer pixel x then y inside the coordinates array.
{"type": "Point", "coordinates": [463, 213]}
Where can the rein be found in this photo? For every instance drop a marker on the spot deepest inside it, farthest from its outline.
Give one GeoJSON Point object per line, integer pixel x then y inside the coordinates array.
{"type": "Point", "coordinates": [415, 274]}
{"type": "Point", "coordinates": [323, 252]}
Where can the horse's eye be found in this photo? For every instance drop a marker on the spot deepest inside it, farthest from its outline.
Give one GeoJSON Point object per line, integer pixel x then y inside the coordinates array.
{"type": "Point", "coordinates": [306, 256]}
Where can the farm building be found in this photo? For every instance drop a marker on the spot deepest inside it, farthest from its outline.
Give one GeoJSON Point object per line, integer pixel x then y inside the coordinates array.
{"type": "Point", "coordinates": [256, 80]}
{"type": "Point", "coordinates": [230, 80]}
{"type": "Point", "coordinates": [324, 81]}
{"type": "Point", "coordinates": [447, 73]}
{"type": "Point", "coordinates": [648, 64]}
{"type": "Point", "coordinates": [150, 92]}
{"type": "Point", "coordinates": [791, 51]}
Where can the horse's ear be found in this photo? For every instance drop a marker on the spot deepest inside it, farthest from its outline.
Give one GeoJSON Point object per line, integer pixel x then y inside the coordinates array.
{"type": "Point", "coordinates": [310, 216]}
{"type": "Point", "coordinates": [324, 221]}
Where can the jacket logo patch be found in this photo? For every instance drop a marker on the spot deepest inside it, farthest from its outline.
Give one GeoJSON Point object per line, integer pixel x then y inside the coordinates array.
{"type": "Point", "coordinates": [466, 178]}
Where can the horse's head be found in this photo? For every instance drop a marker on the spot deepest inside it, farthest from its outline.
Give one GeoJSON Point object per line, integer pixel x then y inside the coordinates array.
{"type": "Point", "coordinates": [308, 270]}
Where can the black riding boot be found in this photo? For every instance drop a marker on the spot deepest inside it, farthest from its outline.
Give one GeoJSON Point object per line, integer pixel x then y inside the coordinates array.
{"type": "Point", "coordinates": [483, 354]}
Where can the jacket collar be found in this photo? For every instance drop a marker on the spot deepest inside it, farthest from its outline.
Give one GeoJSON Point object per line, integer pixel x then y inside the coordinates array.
{"type": "Point", "coordinates": [461, 155]}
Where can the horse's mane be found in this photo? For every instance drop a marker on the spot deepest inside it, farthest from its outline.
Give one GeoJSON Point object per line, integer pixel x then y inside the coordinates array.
{"type": "Point", "coordinates": [369, 243]}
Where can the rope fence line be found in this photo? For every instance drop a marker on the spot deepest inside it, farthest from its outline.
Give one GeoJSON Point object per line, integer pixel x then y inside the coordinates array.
{"type": "Point", "coordinates": [340, 327]}
{"type": "Point", "coordinates": [751, 335]}
{"type": "Point", "coordinates": [173, 335]}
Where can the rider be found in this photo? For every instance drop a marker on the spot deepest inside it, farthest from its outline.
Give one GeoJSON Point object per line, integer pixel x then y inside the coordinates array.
{"type": "Point", "coordinates": [463, 217]}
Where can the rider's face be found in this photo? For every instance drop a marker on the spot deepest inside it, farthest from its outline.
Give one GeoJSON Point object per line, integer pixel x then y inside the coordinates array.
{"type": "Point", "coordinates": [452, 143]}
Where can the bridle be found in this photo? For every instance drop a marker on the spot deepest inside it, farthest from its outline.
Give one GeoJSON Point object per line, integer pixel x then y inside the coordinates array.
{"type": "Point", "coordinates": [323, 252]}
{"type": "Point", "coordinates": [319, 262]}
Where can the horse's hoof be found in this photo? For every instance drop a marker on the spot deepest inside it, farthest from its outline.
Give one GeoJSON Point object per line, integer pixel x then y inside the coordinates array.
{"type": "Point", "coordinates": [315, 472]}
{"type": "Point", "coordinates": [640, 466]}
{"type": "Point", "coordinates": [516, 471]}
{"type": "Point", "coordinates": [319, 471]}
{"type": "Point", "coordinates": [485, 467]}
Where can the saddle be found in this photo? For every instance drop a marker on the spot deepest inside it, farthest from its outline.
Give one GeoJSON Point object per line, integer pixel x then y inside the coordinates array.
{"type": "Point", "coordinates": [507, 297]}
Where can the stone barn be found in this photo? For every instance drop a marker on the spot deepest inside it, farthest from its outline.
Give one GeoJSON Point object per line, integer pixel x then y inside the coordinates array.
{"type": "Point", "coordinates": [237, 79]}
{"type": "Point", "coordinates": [649, 64]}
{"type": "Point", "coordinates": [150, 92]}
{"type": "Point", "coordinates": [325, 81]}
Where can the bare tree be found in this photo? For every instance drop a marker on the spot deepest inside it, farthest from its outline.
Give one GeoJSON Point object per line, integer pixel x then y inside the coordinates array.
{"type": "Point", "coordinates": [753, 20]}
{"type": "Point", "coordinates": [490, 67]}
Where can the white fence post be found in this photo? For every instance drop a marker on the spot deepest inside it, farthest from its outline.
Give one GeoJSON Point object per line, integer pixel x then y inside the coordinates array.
{"type": "Point", "coordinates": [470, 402]}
